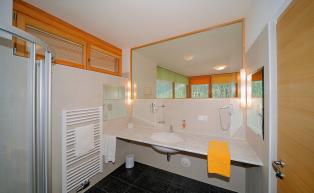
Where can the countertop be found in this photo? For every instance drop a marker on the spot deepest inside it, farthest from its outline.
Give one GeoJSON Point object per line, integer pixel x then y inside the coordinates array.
{"type": "Point", "coordinates": [240, 150]}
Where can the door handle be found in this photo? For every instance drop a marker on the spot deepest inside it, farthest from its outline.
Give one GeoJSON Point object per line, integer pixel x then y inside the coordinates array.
{"type": "Point", "coordinates": [277, 165]}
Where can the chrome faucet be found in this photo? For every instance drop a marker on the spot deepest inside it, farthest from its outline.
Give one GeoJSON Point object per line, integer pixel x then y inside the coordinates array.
{"type": "Point", "coordinates": [171, 129]}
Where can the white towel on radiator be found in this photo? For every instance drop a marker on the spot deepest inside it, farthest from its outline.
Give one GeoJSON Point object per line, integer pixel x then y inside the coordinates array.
{"type": "Point", "coordinates": [84, 139]}
{"type": "Point", "coordinates": [109, 148]}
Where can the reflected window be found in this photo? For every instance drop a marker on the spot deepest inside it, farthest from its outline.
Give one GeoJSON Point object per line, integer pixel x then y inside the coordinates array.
{"type": "Point", "coordinates": [199, 91]}
{"type": "Point", "coordinates": [164, 89]}
{"type": "Point", "coordinates": [257, 89]}
{"type": "Point", "coordinates": [224, 90]}
{"type": "Point", "coordinates": [180, 91]}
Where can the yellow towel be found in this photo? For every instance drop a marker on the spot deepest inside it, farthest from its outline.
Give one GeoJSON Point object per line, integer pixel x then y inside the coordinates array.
{"type": "Point", "coordinates": [218, 158]}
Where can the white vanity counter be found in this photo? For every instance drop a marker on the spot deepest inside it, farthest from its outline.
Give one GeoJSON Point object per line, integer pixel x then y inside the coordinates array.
{"type": "Point", "coordinates": [240, 150]}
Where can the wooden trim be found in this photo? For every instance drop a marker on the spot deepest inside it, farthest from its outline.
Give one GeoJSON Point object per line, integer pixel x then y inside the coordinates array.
{"type": "Point", "coordinates": [19, 44]}
{"type": "Point", "coordinates": [99, 49]}
{"type": "Point", "coordinates": [173, 90]}
{"type": "Point", "coordinates": [210, 90]}
{"type": "Point", "coordinates": [241, 20]}
{"type": "Point", "coordinates": [35, 17]}
{"type": "Point", "coordinates": [204, 79]}
{"type": "Point", "coordinates": [103, 71]}
{"type": "Point", "coordinates": [68, 63]}
{"type": "Point", "coordinates": [49, 19]}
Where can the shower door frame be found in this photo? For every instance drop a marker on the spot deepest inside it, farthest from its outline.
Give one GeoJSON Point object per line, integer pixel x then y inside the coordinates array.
{"type": "Point", "coordinates": [41, 110]}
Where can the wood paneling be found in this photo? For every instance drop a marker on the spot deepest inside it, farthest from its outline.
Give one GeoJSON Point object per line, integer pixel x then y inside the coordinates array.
{"type": "Point", "coordinates": [295, 32]}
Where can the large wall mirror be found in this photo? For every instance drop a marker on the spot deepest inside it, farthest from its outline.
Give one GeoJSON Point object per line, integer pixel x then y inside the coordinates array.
{"type": "Point", "coordinates": [255, 109]}
{"type": "Point", "coordinates": [200, 65]}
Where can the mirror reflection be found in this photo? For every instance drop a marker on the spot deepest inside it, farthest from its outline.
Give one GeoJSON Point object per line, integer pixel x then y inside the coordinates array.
{"type": "Point", "coordinates": [255, 110]}
{"type": "Point", "coordinates": [201, 65]}
{"type": "Point", "coordinates": [114, 102]}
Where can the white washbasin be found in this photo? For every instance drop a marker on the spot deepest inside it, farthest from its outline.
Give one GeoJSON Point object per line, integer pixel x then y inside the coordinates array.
{"type": "Point", "coordinates": [166, 137]}
{"type": "Point", "coordinates": [164, 149]}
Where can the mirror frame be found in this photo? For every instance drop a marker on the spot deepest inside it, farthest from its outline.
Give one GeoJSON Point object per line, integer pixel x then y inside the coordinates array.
{"type": "Point", "coordinates": [241, 21]}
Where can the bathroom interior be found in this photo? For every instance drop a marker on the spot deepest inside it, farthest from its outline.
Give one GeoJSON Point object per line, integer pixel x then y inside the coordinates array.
{"type": "Point", "coordinates": [156, 96]}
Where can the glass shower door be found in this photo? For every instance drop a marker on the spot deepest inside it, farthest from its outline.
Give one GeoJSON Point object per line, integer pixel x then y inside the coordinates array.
{"type": "Point", "coordinates": [23, 117]}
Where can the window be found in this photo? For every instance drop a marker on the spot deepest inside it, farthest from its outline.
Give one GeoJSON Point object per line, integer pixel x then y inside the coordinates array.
{"type": "Point", "coordinates": [180, 91]}
{"type": "Point", "coordinates": [224, 90]}
{"type": "Point", "coordinates": [72, 46]}
{"type": "Point", "coordinates": [170, 84]}
{"type": "Point", "coordinates": [199, 90]}
{"type": "Point", "coordinates": [164, 89]}
{"type": "Point", "coordinates": [64, 49]}
{"type": "Point", "coordinates": [224, 85]}
{"type": "Point", "coordinates": [257, 89]}
{"type": "Point", "coordinates": [102, 61]}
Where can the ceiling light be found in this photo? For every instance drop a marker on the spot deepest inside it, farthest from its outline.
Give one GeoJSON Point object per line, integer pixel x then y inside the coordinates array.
{"type": "Point", "coordinates": [220, 67]}
{"type": "Point", "coordinates": [188, 57]}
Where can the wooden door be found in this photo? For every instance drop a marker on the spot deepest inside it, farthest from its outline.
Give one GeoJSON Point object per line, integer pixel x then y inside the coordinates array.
{"type": "Point", "coordinates": [295, 35]}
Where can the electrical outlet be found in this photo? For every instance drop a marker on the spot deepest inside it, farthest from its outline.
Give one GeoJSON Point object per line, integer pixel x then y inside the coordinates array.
{"type": "Point", "coordinates": [202, 117]}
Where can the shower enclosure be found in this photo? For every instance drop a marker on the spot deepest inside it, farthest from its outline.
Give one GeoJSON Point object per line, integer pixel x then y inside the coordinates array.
{"type": "Point", "coordinates": [25, 85]}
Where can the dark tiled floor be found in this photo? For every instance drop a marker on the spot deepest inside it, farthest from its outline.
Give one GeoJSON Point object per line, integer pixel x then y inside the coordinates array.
{"type": "Point", "coordinates": [146, 179]}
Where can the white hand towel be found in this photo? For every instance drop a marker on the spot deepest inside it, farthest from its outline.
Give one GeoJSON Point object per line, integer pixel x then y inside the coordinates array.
{"type": "Point", "coordinates": [84, 139]}
{"type": "Point", "coordinates": [109, 148]}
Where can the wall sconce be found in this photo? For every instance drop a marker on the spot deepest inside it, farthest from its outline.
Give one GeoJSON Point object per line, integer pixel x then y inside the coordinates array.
{"type": "Point", "coordinates": [134, 91]}
{"type": "Point", "coordinates": [249, 91]}
{"type": "Point", "coordinates": [128, 93]}
{"type": "Point", "coordinates": [243, 88]}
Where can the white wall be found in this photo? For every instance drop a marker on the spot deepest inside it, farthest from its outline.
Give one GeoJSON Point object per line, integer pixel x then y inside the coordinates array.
{"type": "Point", "coordinates": [76, 88]}
{"type": "Point", "coordinates": [126, 54]}
{"type": "Point", "coordinates": [177, 110]}
{"type": "Point", "coordinates": [259, 14]}
{"type": "Point", "coordinates": [144, 74]}
{"type": "Point", "coordinates": [6, 10]}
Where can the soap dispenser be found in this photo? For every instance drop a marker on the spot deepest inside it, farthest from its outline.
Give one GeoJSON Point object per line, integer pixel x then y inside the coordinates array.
{"type": "Point", "coordinates": [183, 124]}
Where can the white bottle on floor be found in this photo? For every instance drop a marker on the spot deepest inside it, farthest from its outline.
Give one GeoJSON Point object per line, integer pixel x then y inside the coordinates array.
{"type": "Point", "coordinates": [129, 161]}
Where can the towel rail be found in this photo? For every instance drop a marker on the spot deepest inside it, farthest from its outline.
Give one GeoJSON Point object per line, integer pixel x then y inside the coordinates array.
{"type": "Point", "coordinates": [76, 169]}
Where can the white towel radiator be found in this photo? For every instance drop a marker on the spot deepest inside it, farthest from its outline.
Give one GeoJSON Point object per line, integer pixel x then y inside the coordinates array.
{"type": "Point", "coordinates": [76, 170]}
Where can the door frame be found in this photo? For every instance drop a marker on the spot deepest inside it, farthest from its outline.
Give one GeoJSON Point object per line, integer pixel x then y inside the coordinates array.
{"type": "Point", "coordinates": [273, 97]}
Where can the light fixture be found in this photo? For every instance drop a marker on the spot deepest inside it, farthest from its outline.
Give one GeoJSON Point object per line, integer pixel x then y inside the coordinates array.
{"type": "Point", "coordinates": [128, 94]}
{"type": "Point", "coordinates": [243, 88]}
{"type": "Point", "coordinates": [249, 91]}
{"type": "Point", "coordinates": [188, 57]}
{"type": "Point", "coordinates": [220, 67]}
